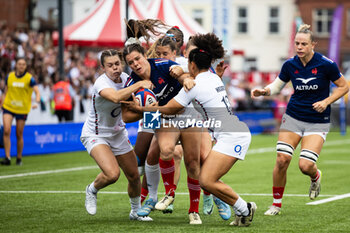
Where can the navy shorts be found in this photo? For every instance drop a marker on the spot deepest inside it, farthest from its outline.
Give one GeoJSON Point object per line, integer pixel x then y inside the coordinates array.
{"type": "Point", "coordinates": [17, 116]}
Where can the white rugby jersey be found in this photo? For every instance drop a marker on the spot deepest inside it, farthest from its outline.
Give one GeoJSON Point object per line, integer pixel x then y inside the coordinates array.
{"type": "Point", "coordinates": [182, 61]}
{"type": "Point", "coordinates": [104, 117]}
{"type": "Point", "coordinates": [209, 97]}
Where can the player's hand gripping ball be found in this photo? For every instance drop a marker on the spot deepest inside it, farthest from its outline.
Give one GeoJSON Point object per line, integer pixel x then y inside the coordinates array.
{"type": "Point", "coordinates": [145, 97]}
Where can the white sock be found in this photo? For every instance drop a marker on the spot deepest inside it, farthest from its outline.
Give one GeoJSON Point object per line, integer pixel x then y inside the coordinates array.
{"type": "Point", "coordinates": [240, 207]}
{"type": "Point", "coordinates": [153, 177]}
{"type": "Point", "coordinates": [135, 203]}
{"type": "Point", "coordinates": [92, 188]}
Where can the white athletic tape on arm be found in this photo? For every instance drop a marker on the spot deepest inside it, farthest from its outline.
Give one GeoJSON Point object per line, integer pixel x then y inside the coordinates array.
{"type": "Point", "coordinates": [276, 86]}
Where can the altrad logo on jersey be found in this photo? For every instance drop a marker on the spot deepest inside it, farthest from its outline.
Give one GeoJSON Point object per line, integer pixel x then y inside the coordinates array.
{"type": "Point", "coordinates": [306, 87]}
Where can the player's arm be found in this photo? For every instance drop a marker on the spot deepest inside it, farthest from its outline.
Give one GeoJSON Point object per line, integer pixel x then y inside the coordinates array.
{"type": "Point", "coordinates": [273, 88]}
{"type": "Point", "coordinates": [186, 81]}
{"type": "Point", "coordinates": [183, 77]}
{"type": "Point", "coordinates": [172, 107]}
{"type": "Point", "coordinates": [116, 96]}
{"type": "Point", "coordinates": [36, 91]}
{"type": "Point", "coordinates": [128, 115]}
{"type": "Point", "coordinates": [37, 96]}
{"type": "Point", "coordinates": [341, 89]}
{"type": "Point", "coordinates": [177, 70]}
{"type": "Point", "coordinates": [2, 97]}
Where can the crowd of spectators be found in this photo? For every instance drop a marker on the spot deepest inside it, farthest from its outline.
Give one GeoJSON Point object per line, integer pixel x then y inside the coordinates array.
{"type": "Point", "coordinates": [81, 67]}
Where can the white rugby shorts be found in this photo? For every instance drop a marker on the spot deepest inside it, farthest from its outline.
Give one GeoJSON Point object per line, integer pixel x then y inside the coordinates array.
{"type": "Point", "coordinates": [233, 144]}
{"type": "Point", "coordinates": [119, 143]}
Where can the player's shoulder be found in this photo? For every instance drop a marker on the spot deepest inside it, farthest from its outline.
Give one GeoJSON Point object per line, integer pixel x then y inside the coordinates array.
{"type": "Point", "coordinates": [324, 59]}
{"type": "Point", "coordinates": [291, 61]}
{"type": "Point", "coordinates": [101, 78]}
{"type": "Point", "coordinates": [181, 60]}
{"type": "Point", "coordinates": [160, 62]}
{"type": "Point", "coordinates": [124, 77]}
{"type": "Point", "coordinates": [101, 81]}
{"type": "Point", "coordinates": [132, 78]}
{"type": "Point", "coordinates": [207, 78]}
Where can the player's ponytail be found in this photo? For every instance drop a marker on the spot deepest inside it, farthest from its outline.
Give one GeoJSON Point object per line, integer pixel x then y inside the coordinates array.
{"type": "Point", "coordinates": [136, 29]}
{"type": "Point", "coordinates": [143, 28]}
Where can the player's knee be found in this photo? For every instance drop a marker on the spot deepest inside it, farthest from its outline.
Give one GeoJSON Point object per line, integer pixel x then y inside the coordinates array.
{"type": "Point", "coordinates": [177, 154]}
{"type": "Point", "coordinates": [282, 161]}
{"type": "Point", "coordinates": [307, 160]}
{"type": "Point", "coordinates": [112, 177]}
{"type": "Point", "coordinates": [167, 153]}
{"type": "Point", "coordinates": [305, 168]}
{"type": "Point", "coordinates": [134, 178]}
{"type": "Point", "coordinates": [19, 135]}
{"type": "Point", "coordinates": [7, 132]}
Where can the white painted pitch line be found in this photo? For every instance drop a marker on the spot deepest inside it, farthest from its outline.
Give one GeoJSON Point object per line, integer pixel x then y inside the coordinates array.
{"type": "Point", "coordinates": [48, 172]}
{"type": "Point", "coordinates": [336, 162]}
{"type": "Point", "coordinates": [113, 192]}
{"type": "Point", "coordinates": [337, 197]}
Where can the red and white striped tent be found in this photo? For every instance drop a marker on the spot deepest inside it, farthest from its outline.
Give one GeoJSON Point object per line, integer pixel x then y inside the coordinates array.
{"type": "Point", "coordinates": [171, 13]}
{"type": "Point", "coordinates": [103, 25]}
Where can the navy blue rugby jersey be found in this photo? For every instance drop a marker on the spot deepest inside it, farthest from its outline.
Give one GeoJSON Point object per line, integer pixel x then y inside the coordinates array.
{"type": "Point", "coordinates": [311, 84]}
{"type": "Point", "coordinates": [165, 86]}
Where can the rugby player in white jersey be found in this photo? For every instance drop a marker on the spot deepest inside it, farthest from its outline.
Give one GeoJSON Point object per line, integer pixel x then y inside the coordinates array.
{"type": "Point", "coordinates": [105, 137]}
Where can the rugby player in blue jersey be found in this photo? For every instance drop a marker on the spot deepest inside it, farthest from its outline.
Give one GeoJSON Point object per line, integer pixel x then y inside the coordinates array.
{"type": "Point", "coordinates": [307, 118]}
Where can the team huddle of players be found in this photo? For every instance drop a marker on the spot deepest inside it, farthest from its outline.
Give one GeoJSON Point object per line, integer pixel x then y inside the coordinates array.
{"type": "Point", "coordinates": [187, 86]}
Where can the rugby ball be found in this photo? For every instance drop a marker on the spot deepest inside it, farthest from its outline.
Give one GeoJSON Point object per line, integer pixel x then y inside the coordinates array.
{"type": "Point", "coordinates": [145, 97]}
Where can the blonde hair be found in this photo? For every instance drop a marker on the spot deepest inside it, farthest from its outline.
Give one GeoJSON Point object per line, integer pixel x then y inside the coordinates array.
{"type": "Point", "coordinates": [305, 28]}
{"type": "Point", "coordinates": [151, 52]}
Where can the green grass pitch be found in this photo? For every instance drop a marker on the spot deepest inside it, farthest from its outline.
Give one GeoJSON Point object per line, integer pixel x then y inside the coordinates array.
{"type": "Point", "coordinates": [60, 211]}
